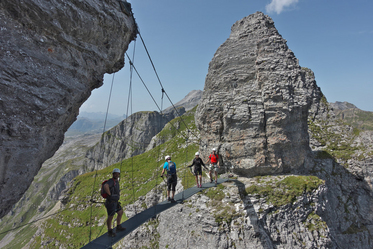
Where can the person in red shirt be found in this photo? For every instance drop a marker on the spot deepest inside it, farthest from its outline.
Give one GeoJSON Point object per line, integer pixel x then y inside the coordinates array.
{"type": "Point", "coordinates": [214, 164]}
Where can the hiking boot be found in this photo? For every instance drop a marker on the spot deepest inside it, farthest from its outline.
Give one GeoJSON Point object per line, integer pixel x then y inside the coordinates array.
{"type": "Point", "coordinates": [211, 181]}
{"type": "Point", "coordinates": [169, 199]}
{"type": "Point", "coordinates": [173, 200]}
{"type": "Point", "coordinates": [110, 233]}
{"type": "Point", "coordinates": [120, 228]}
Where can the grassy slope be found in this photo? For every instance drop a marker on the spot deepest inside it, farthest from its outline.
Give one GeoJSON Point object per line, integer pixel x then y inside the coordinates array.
{"type": "Point", "coordinates": [139, 175]}
{"type": "Point", "coordinates": [27, 209]}
{"type": "Point", "coordinates": [357, 118]}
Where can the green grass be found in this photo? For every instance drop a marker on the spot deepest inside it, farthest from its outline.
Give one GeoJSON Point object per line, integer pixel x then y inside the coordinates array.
{"type": "Point", "coordinates": [359, 119]}
{"type": "Point", "coordinates": [337, 146]}
{"type": "Point", "coordinates": [222, 212]}
{"type": "Point", "coordinates": [285, 191]}
{"type": "Point", "coordinates": [315, 223]}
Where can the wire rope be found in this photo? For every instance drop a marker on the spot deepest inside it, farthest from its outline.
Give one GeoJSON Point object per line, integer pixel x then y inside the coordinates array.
{"type": "Point", "coordinates": [138, 74]}
{"type": "Point", "coordinates": [155, 71]}
{"type": "Point", "coordinates": [94, 182]}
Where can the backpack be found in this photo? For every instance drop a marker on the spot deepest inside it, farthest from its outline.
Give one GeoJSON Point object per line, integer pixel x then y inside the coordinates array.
{"type": "Point", "coordinates": [171, 168]}
{"type": "Point", "coordinates": [103, 193]}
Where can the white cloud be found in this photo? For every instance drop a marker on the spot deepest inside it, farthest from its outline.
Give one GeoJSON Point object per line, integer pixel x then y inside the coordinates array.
{"type": "Point", "coordinates": [279, 5]}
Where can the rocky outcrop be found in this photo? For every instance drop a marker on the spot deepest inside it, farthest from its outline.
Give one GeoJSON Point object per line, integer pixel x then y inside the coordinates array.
{"type": "Point", "coordinates": [188, 102]}
{"type": "Point", "coordinates": [53, 54]}
{"type": "Point", "coordinates": [129, 138]}
{"type": "Point", "coordinates": [342, 105]}
{"type": "Point", "coordinates": [255, 102]}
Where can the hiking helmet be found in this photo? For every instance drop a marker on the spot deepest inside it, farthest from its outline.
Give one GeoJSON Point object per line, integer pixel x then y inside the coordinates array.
{"type": "Point", "coordinates": [167, 157]}
{"type": "Point", "coordinates": [116, 171]}
{"type": "Point", "coordinates": [213, 149]}
{"type": "Point", "coordinates": [197, 153]}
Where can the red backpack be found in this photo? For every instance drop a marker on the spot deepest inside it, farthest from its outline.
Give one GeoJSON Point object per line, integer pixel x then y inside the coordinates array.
{"type": "Point", "coordinates": [103, 193]}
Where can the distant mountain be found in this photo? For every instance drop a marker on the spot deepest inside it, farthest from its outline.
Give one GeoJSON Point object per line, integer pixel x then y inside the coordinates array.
{"type": "Point", "coordinates": [100, 116]}
{"type": "Point", "coordinates": [353, 116]}
{"type": "Point", "coordinates": [93, 122]}
{"type": "Point", "coordinates": [340, 106]}
{"type": "Point", "coordinates": [189, 101]}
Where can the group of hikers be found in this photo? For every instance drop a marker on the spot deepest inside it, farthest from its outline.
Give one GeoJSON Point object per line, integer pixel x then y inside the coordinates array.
{"type": "Point", "coordinates": [110, 188]}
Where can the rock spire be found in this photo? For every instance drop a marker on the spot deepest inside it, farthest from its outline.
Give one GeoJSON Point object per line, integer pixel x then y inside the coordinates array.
{"type": "Point", "coordinates": [255, 101]}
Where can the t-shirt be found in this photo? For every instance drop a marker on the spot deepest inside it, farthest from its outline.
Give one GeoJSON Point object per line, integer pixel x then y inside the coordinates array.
{"type": "Point", "coordinates": [170, 167]}
{"type": "Point", "coordinates": [113, 186]}
{"type": "Point", "coordinates": [197, 162]}
{"type": "Point", "coordinates": [214, 158]}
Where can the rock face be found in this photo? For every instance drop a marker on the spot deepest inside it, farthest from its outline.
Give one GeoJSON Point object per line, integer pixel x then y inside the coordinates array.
{"type": "Point", "coordinates": [52, 55]}
{"type": "Point", "coordinates": [342, 105]}
{"type": "Point", "coordinates": [188, 102]}
{"type": "Point", "coordinates": [255, 102]}
{"type": "Point", "coordinates": [129, 138]}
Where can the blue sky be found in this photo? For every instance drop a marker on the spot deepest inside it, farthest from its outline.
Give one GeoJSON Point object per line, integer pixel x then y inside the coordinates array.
{"type": "Point", "coordinates": [333, 38]}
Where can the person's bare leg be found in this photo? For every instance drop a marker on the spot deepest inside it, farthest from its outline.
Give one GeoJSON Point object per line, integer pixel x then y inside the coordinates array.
{"type": "Point", "coordinates": [108, 222]}
{"type": "Point", "coordinates": [119, 217]}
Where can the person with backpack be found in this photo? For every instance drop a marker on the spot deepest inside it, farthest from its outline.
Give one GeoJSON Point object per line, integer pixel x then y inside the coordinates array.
{"type": "Point", "coordinates": [214, 164]}
{"type": "Point", "coordinates": [170, 167]}
{"type": "Point", "coordinates": [111, 189]}
{"type": "Point", "coordinates": [198, 163]}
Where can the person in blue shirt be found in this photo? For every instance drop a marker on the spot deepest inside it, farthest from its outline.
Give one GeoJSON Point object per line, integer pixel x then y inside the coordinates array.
{"type": "Point", "coordinates": [170, 167]}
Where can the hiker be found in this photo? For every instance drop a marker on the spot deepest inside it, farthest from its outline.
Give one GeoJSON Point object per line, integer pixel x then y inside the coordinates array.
{"type": "Point", "coordinates": [170, 167]}
{"type": "Point", "coordinates": [198, 163]}
{"type": "Point", "coordinates": [214, 164]}
{"type": "Point", "coordinates": [112, 204]}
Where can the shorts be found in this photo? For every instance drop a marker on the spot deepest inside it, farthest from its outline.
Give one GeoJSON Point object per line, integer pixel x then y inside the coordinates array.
{"type": "Point", "coordinates": [198, 171]}
{"type": "Point", "coordinates": [213, 167]}
{"type": "Point", "coordinates": [112, 207]}
{"type": "Point", "coordinates": [171, 182]}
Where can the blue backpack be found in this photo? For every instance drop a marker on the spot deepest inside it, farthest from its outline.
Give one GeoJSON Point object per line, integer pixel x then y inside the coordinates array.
{"type": "Point", "coordinates": [171, 168]}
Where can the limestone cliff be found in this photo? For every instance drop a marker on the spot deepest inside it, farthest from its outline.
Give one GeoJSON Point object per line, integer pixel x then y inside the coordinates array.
{"type": "Point", "coordinates": [129, 138]}
{"type": "Point", "coordinates": [52, 55]}
{"type": "Point", "coordinates": [255, 102]}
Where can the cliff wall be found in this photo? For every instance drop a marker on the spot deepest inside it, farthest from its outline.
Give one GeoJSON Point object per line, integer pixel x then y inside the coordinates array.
{"type": "Point", "coordinates": [52, 55]}
{"type": "Point", "coordinates": [129, 138]}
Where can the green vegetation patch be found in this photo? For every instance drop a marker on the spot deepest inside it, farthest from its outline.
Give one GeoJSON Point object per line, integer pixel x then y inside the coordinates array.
{"type": "Point", "coordinates": [337, 145]}
{"type": "Point", "coordinates": [315, 223]}
{"type": "Point", "coordinates": [359, 119]}
{"type": "Point", "coordinates": [215, 193]}
{"type": "Point", "coordinates": [223, 212]}
{"type": "Point", "coordinates": [285, 191]}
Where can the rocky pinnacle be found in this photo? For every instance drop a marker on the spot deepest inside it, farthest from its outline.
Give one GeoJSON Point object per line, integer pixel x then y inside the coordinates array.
{"type": "Point", "coordinates": [255, 102]}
